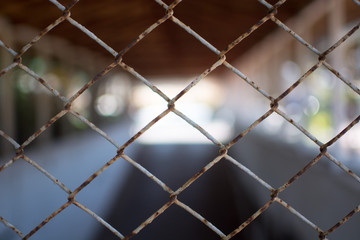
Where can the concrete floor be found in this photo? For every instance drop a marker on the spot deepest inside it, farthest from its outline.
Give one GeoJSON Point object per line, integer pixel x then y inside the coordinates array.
{"type": "Point", "coordinates": [125, 198]}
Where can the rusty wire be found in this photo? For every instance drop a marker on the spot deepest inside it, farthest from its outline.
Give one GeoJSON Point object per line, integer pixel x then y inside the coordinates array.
{"type": "Point", "coordinates": [223, 155]}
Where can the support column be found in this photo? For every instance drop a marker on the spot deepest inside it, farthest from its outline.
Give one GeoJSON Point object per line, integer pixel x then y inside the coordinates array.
{"type": "Point", "coordinates": [336, 22]}
{"type": "Point", "coordinates": [7, 99]}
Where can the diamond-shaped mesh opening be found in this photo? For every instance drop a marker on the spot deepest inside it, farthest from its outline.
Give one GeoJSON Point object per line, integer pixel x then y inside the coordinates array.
{"type": "Point", "coordinates": [104, 186]}
{"type": "Point", "coordinates": [219, 201]}
{"type": "Point", "coordinates": [312, 104]}
{"type": "Point", "coordinates": [131, 207]}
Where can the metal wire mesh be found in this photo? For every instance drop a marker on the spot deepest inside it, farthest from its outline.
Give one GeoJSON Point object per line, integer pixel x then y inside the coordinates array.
{"type": "Point", "coordinates": [223, 154]}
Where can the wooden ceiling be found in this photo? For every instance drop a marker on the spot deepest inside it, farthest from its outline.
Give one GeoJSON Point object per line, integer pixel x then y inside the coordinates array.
{"type": "Point", "coordinates": [168, 49]}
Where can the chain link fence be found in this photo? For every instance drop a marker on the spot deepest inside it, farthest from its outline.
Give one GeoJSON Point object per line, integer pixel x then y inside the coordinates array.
{"type": "Point", "coordinates": [223, 154]}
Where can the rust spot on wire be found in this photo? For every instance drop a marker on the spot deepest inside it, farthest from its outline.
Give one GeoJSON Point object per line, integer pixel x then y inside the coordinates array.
{"type": "Point", "coordinates": [70, 5]}
{"type": "Point", "coordinates": [322, 236]}
{"type": "Point", "coordinates": [274, 104]}
{"type": "Point", "coordinates": [92, 81]}
{"type": "Point", "coordinates": [130, 235]}
{"type": "Point", "coordinates": [251, 127]}
{"type": "Point", "coordinates": [20, 151]}
{"type": "Point", "coordinates": [3, 72]}
{"type": "Point", "coordinates": [273, 11]}
{"type": "Point", "coordinates": [12, 227]}
{"type": "Point", "coordinates": [250, 219]}
{"type": "Point", "coordinates": [9, 49]}
{"type": "Point", "coordinates": [47, 220]}
{"type": "Point", "coordinates": [43, 82]}
{"type": "Point", "coordinates": [223, 151]}
{"type": "Point", "coordinates": [198, 174]}
{"type": "Point", "coordinates": [92, 177]}
{"type": "Point", "coordinates": [301, 79]}
{"type": "Point", "coordinates": [145, 33]}
{"type": "Point", "coordinates": [344, 220]}
{"type": "Point", "coordinates": [42, 33]}
{"type": "Point", "coordinates": [149, 220]}
{"type": "Point", "coordinates": [138, 134]}
{"type": "Point", "coordinates": [219, 62]}
{"type": "Point", "coordinates": [301, 172]}
{"type": "Point", "coordinates": [18, 59]}
{"type": "Point", "coordinates": [171, 105]}
{"type": "Point", "coordinates": [246, 34]}
{"type": "Point", "coordinates": [14, 159]}
{"type": "Point", "coordinates": [43, 128]}
{"type": "Point", "coordinates": [173, 198]}
{"type": "Point", "coordinates": [174, 4]}
{"type": "Point", "coordinates": [341, 40]}
{"type": "Point", "coordinates": [274, 193]}
{"type": "Point", "coordinates": [323, 148]}
{"type": "Point", "coordinates": [345, 130]}
{"type": "Point", "coordinates": [299, 215]}
{"type": "Point", "coordinates": [342, 78]}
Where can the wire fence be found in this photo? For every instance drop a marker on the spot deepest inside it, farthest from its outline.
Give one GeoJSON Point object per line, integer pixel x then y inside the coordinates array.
{"type": "Point", "coordinates": [223, 155]}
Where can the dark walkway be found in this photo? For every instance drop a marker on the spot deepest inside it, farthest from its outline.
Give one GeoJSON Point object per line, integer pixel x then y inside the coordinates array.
{"type": "Point", "coordinates": [212, 196]}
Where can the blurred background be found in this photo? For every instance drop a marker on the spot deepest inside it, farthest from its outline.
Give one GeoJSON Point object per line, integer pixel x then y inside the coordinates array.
{"type": "Point", "coordinates": [222, 103]}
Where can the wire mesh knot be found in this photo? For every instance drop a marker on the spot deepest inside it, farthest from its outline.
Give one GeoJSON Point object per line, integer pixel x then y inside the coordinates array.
{"type": "Point", "coordinates": [323, 148]}
{"type": "Point", "coordinates": [274, 104]}
{"type": "Point", "coordinates": [322, 57]}
{"type": "Point", "coordinates": [223, 151]}
{"type": "Point", "coordinates": [20, 151]}
{"type": "Point", "coordinates": [18, 58]}
{"type": "Point", "coordinates": [171, 105]}
{"type": "Point", "coordinates": [274, 193]}
{"type": "Point", "coordinates": [66, 13]}
{"type": "Point", "coordinates": [173, 198]}
{"type": "Point", "coordinates": [273, 11]}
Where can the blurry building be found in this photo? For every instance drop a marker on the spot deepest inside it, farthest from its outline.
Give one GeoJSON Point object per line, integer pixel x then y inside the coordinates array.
{"type": "Point", "coordinates": [68, 59]}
